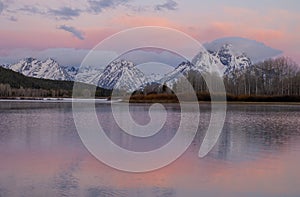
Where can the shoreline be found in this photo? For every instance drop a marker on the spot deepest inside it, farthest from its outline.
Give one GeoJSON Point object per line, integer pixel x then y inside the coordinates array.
{"type": "Point", "coordinates": [70, 99]}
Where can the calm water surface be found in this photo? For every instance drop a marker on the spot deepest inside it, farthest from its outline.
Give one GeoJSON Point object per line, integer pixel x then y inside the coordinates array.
{"type": "Point", "coordinates": [41, 154]}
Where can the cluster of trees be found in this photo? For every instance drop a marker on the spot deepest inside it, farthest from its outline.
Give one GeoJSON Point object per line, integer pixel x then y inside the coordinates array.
{"type": "Point", "coordinates": [273, 77]}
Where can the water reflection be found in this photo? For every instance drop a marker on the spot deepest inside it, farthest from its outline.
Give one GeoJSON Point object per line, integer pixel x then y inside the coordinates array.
{"type": "Point", "coordinates": [257, 154]}
{"type": "Point", "coordinates": [65, 181]}
{"type": "Point", "coordinates": [105, 192]}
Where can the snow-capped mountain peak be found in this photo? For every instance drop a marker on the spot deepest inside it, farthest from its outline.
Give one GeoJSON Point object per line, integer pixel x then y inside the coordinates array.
{"type": "Point", "coordinates": [122, 75]}
{"type": "Point", "coordinates": [48, 69]}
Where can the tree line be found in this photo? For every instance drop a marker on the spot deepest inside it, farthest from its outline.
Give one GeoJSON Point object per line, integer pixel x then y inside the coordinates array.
{"type": "Point", "coordinates": [6, 91]}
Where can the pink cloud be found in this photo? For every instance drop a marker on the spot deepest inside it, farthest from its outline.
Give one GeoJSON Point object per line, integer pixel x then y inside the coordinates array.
{"type": "Point", "coordinates": [36, 39]}
{"type": "Point", "coordinates": [39, 39]}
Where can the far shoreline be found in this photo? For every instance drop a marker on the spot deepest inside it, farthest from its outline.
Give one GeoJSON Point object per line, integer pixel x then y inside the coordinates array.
{"type": "Point", "coordinates": [163, 101]}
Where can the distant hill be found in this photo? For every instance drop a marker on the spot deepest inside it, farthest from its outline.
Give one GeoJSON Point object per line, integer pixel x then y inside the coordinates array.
{"type": "Point", "coordinates": [15, 81]}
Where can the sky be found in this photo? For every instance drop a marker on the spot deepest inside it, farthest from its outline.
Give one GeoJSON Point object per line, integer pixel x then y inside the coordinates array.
{"type": "Point", "coordinates": [68, 29]}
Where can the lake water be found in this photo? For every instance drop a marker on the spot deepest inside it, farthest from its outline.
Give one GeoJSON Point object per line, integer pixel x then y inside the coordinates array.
{"type": "Point", "coordinates": [41, 154]}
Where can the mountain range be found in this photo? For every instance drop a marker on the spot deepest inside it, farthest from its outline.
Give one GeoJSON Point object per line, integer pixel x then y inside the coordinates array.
{"type": "Point", "coordinates": [123, 74]}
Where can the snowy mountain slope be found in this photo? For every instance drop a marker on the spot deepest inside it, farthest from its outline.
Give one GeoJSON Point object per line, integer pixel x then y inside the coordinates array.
{"type": "Point", "coordinates": [88, 75]}
{"type": "Point", "coordinates": [122, 75]}
{"type": "Point", "coordinates": [48, 69]}
{"type": "Point", "coordinates": [154, 77]}
{"type": "Point", "coordinates": [201, 63]}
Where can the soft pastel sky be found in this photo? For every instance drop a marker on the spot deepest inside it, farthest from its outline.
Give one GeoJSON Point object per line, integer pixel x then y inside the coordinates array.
{"type": "Point", "coordinates": [55, 26]}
